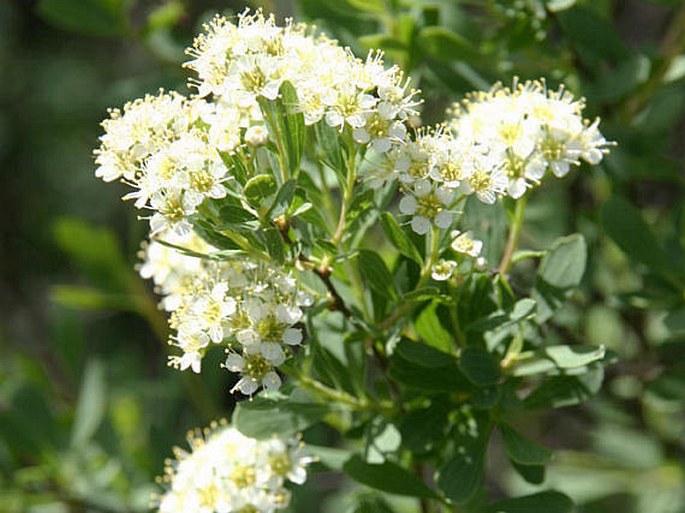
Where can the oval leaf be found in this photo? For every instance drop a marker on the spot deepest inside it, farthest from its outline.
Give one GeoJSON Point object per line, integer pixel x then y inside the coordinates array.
{"type": "Point", "coordinates": [521, 450]}
{"type": "Point", "coordinates": [387, 477]}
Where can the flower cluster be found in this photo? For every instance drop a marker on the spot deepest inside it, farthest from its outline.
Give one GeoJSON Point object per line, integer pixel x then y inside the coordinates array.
{"type": "Point", "coordinates": [230, 473]}
{"type": "Point", "coordinates": [236, 64]}
{"type": "Point", "coordinates": [519, 134]}
{"type": "Point", "coordinates": [252, 309]}
{"type": "Point", "coordinates": [498, 143]}
{"type": "Point", "coordinates": [175, 151]}
{"type": "Point", "coordinates": [164, 148]}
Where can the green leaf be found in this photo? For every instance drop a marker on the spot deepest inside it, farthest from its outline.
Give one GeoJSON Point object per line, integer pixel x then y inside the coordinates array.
{"type": "Point", "coordinates": [533, 474]}
{"type": "Point", "coordinates": [274, 243]}
{"type": "Point", "coordinates": [84, 298]}
{"type": "Point", "coordinates": [557, 359]}
{"type": "Point", "coordinates": [542, 502]}
{"type": "Point", "coordinates": [91, 405]}
{"type": "Point", "coordinates": [259, 188]}
{"type": "Point", "coordinates": [331, 144]}
{"type": "Point", "coordinates": [376, 273]}
{"type": "Point", "coordinates": [560, 271]}
{"type": "Point", "coordinates": [424, 294]}
{"type": "Point", "coordinates": [372, 504]}
{"type": "Point", "coordinates": [425, 429]}
{"type": "Point", "coordinates": [475, 299]}
{"type": "Point", "coordinates": [561, 391]}
{"type": "Point", "coordinates": [560, 5]}
{"type": "Point", "coordinates": [521, 450]}
{"type": "Point", "coordinates": [398, 238]}
{"type": "Point", "coordinates": [569, 357]}
{"type": "Point", "coordinates": [96, 251]}
{"type": "Point", "coordinates": [264, 417]}
{"type": "Point", "coordinates": [235, 214]}
{"type": "Point", "coordinates": [369, 6]}
{"type": "Point", "coordinates": [479, 366]}
{"type": "Point", "coordinates": [595, 38]}
{"type": "Point", "coordinates": [292, 125]}
{"type": "Point", "coordinates": [522, 310]}
{"type": "Point", "coordinates": [286, 125]}
{"type": "Point", "coordinates": [382, 440]}
{"type": "Point", "coordinates": [460, 477]}
{"type": "Point", "coordinates": [383, 42]}
{"type": "Point", "coordinates": [283, 199]}
{"type": "Point", "coordinates": [423, 355]}
{"type": "Point", "coordinates": [329, 367]}
{"type": "Point", "coordinates": [330, 457]}
{"type": "Point", "coordinates": [564, 265]}
{"type": "Point", "coordinates": [625, 225]}
{"type": "Point", "coordinates": [387, 477]}
{"type": "Point", "coordinates": [422, 367]}
{"type": "Point", "coordinates": [444, 44]}
{"type": "Point", "coordinates": [165, 16]}
{"type": "Point", "coordinates": [431, 330]}
{"type": "Point", "coordinates": [91, 17]}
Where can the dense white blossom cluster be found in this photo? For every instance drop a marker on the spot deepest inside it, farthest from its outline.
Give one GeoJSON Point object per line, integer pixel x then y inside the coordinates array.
{"type": "Point", "coordinates": [238, 63]}
{"type": "Point", "coordinates": [498, 143]}
{"type": "Point", "coordinates": [253, 309]}
{"type": "Point", "coordinates": [166, 149]}
{"type": "Point", "coordinates": [173, 150]}
{"type": "Point", "coordinates": [520, 133]}
{"type": "Point", "coordinates": [227, 472]}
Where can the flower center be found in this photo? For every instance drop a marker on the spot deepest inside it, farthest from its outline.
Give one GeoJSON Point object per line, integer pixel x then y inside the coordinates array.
{"type": "Point", "coordinates": [256, 366]}
{"type": "Point", "coordinates": [480, 181]}
{"type": "Point", "coordinates": [243, 476]}
{"type": "Point", "coordinates": [270, 329]}
{"type": "Point", "coordinates": [280, 464]}
{"type": "Point", "coordinates": [428, 206]}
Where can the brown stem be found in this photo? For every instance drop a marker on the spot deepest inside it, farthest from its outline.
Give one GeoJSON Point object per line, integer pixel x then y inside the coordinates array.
{"type": "Point", "coordinates": [324, 273]}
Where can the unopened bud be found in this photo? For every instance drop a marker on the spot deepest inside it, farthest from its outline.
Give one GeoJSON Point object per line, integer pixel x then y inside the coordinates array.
{"type": "Point", "coordinates": [256, 136]}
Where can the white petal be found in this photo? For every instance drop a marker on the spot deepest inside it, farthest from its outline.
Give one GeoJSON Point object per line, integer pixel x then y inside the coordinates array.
{"type": "Point", "coordinates": [443, 219]}
{"type": "Point", "coordinates": [235, 362]}
{"type": "Point", "coordinates": [408, 205]}
{"type": "Point", "coordinates": [420, 225]}
{"type": "Point", "coordinates": [272, 351]}
{"type": "Point", "coordinates": [271, 381]}
{"type": "Point", "coordinates": [246, 385]}
{"type": "Point", "coordinates": [292, 336]}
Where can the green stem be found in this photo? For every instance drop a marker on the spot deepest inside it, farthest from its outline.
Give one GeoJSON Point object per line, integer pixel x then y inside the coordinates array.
{"type": "Point", "coordinates": [514, 234]}
{"type": "Point", "coordinates": [348, 194]}
{"type": "Point", "coordinates": [330, 394]}
{"type": "Point", "coordinates": [454, 316]}
{"type": "Point", "coordinates": [432, 252]}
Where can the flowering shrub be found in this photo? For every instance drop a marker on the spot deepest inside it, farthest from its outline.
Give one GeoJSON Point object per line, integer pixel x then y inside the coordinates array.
{"type": "Point", "coordinates": [274, 234]}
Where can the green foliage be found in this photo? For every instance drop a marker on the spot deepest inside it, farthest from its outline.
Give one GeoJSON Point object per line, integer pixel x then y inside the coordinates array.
{"type": "Point", "coordinates": [387, 476]}
{"type": "Point", "coordinates": [92, 17]}
{"type": "Point", "coordinates": [416, 378]}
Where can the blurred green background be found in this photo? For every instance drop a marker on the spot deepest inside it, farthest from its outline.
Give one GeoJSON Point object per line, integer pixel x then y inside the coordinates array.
{"type": "Point", "coordinates": [88, 410]}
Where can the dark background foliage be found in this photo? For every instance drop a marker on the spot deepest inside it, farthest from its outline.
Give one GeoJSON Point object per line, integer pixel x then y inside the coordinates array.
{"type": "Point", "coordinates": [88, 411]}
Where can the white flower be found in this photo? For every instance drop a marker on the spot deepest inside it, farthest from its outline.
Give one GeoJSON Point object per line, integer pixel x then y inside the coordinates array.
{"type": "Point", "coordinates": [256, 135]}
{"type": "Point", "coordinates": [427, 205]}
{"type": "Point", "coordinates": [225, 471]}
{"type": "Point", "coordinates": [443, 270]}
{"type": "Point", "coordinates": [463, 243]}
